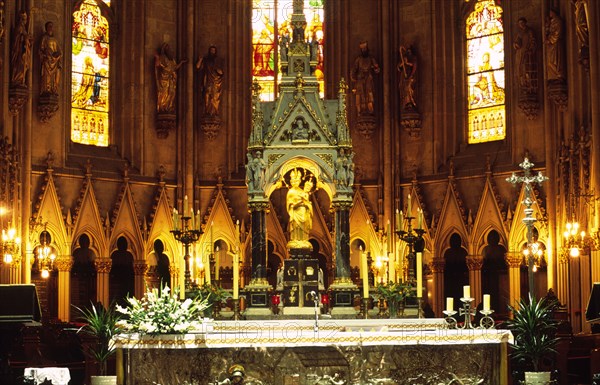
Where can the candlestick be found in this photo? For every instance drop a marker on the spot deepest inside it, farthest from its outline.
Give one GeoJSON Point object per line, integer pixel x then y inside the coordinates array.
{"type": "Point", "coordinates": [419, 275]}
{"type": "Point", "coordinates": [236, 276]}
{"type": "Point", "coordinates": [401, 220]}
{"type": "Point", "coordinates": [365, 270]}
{"type": "Point", "coordinates": [486, 302]}
{"type": "Point", "coordinates": [449, 303]}
{"type": "Point", "coordinates": [466, 291]}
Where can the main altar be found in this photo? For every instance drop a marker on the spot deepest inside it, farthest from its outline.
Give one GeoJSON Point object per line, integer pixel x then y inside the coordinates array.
{"type": "Point", "coordinates": [322, 351]}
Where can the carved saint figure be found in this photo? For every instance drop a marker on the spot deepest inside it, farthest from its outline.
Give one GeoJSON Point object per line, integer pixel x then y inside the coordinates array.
{"type": "Point", "coordinates": [211, 78]}
{"type": "Point", "coordinates": [555, 69]}
{"type": "Point", "coordinates": [50, 55]}
{"type": "Point", "coordinates": [365, 67]}
{"type": "Point", "coordinates": [408, 78]}
{"type": "Point", "coordinates": [165, 72]}
{"type": "Point", "coordinates": [341, 168]}
{"type": "Point", "coordinates": [582, 30]}
{"type": "Point", "coordinates": [255, 171]}
{"type": "Point", "coordinates": [300, 210]}
{"type": "Point", "coordinates": [525, 45]}
{"type": "Point", "coordinates": [20, 59]}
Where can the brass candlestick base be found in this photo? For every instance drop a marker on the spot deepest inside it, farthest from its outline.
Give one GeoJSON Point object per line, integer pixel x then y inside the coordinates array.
{"type": "Point", "coordinates": [364, 308]}
{"type": "Point", "coordinates": [236, 309]}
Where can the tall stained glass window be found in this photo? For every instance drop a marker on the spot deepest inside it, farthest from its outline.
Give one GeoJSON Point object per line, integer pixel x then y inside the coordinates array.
{"type": "Point", "coordinates": [271, 30]}
{"type": "Point", "coordinates": [90, 75]}
{"type": "Point", "coordinates": [485, 73]}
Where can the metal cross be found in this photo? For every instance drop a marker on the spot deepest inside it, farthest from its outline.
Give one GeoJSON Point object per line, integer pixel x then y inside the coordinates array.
{"type": "Point", "coordinates": [528, 179]}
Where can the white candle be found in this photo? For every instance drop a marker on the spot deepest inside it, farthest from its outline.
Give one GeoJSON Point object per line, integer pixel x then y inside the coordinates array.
{"type": "Point", "coordinates": [398, 222]}
{"type": "Point", "coordinates": [236, 276]}
{"type": "Point", "coordinates": [207, 270]}
{"type": "Point", "coordinates": [401, 220]}
{"type": "Point", "coordinates": [449, 303]}
{"type": "Point", "coordinates": [419, 275]}
{"type": "Point", "coordinates": [182, 279]}
{"type": "Point", "coordinates": [185, 206]}
{"type": "Point", "coordinates": [486, 302]}
{"type": "Point", "coordinates": [217, 263]}
{"type": "Point", "coordinates": [466, 291]}
{"type": "Point", "coordinates": [409, 206]}
{"type": "Point", "coordinates": [389, 237]}
{"type": "Point", "coordinates": [420, 219]}
{"type": "Point", "coordinates": [365, 270]}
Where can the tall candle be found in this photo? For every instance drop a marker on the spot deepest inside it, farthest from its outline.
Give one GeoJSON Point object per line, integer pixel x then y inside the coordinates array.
{"type": "Point", "coordinates": [182, 279]}
{"type": "Point", "coordinates": [207, 269]}
{"type": "Point", "coordinates": [420, 219]}
{"type": "Point", "coordinates": [449, 303]}
{"type": "Point", "coordinates": [398, 222]}
{"type": "Point", "coordinates": [409, 206]}
{"type": "Point", "coordinates": [217, 267]}
{"type": "Point", "coordinates": [185, 206]}
{"type": "Point", "coordinates": [236, 276]}
{"type": "Point", "coordinates": [466, 291]}
{"type": "Point", "coordinates": [365, 270]}
{"type": "Point", "coordinates": [419, 275]}
{"type": "Point", "coordinates": [401, 220]}
{"type": "Point", "coordinates": [389, 237]}
{"type": "Point", "coordinates": [486, 302]}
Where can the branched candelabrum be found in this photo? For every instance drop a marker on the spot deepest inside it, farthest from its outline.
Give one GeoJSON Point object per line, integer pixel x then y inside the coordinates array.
{"type": "Point", "coordinates": [467, 311]}
{"type": "Point", "coordinates": [414, 238]}
{"type": "Point", "coordinates": [186, 234]}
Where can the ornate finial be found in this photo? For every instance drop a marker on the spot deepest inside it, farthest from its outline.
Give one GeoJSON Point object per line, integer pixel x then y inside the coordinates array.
{"type": "Point", "coordinates": [451, 167]}
{"type": "Point", "coordinates": [126, 170]}
{"type": "Point", "coordinates": [343, 86]}
{"type": "Point", "coordinates": [88, 168]}
{"type": "Point", "coordinates": [300, 82]}
{"type": "Point", "coordinates": [488, 165]}
{"type": "Point", "coordinates": [161, 173]}
{"type": "Point", "coordinates": [49, 160]}
{"type": "Point", "coordinates": [256, 88]}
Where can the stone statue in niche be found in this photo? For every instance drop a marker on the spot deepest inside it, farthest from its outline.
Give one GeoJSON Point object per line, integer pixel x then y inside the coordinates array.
{"type": "Point", "coordinates": [363, 73]}
{"type": "Point", "coordinates": [525, 46]}
{"type": "Point", "coordinates": [344, 169]}
{"type": "Point", "coordinates": [51, 56]}
{"type": "Point", "coordinates": [255, 171]}
{"type": "Point", "coordinates": [165, 71]}
{"type": "Point", "coordinates": [582, 31]}
{"type": "Point", "coordinates": [300, 129]}
{"type": "Point", "coordinates": [20, 55]}
{"type": "Point", "coordinates": [211, 80]}
{"type": "Point", "coordinates": [408, 78]}
{"type": "Point", "coordinates": [554, 41]}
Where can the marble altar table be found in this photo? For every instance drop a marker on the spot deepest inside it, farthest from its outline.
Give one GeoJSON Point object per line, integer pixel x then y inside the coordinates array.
{"type": "Point", "coordinates": [302, 352]}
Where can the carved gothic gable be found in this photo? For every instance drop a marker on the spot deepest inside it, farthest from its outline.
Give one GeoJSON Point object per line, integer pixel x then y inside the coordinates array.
{"type": "Point", "coordinates": [359, 215]}
{"type": "Point", "coordinates": [126, 222]}
{"type": "Point", "coordinates": [489, 217]}
{"type": "Point", "coordinates": [219, 225]}
{"type": "Point", "coordinates": [451, 221]}
{"type": "Point", "coordinates": [48, 210]}
{"type": "Point", "coordinates": [518, 231]}
{"type": "Point", "coordinates": [89, 221]}
{"type": "Point", "coordinates": [161, 226]}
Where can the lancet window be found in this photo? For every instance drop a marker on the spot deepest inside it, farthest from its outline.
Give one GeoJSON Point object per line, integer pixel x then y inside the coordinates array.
{"type": "Point", "coordinates": [271, 35]}
{"type": "Point", "coordinates": [90, 74]}
{"type": "Point", "coordinates": [485, 73]}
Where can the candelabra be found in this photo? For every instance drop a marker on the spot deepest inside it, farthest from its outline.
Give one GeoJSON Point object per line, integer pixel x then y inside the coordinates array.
{"type": "Point", "coordinates": [10, 244]}
{"type": "Point", "coordinates": [188, 233]}
{"type": "Point", "coordinates": [467, 311]}
{"type": "Point", "coordinates": [45, 255]}
{"type": "Point", "coordinates": [412, 237]}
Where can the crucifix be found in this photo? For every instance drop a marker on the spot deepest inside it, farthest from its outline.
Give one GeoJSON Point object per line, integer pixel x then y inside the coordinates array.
{"type": "Point", "coordinates": [528, 179]}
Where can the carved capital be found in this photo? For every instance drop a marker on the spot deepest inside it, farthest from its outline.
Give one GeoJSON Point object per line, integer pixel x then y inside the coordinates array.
{"type": "Point", "coordinates": [258, 206]}
{"type": "Point", "coordinates": [474, 262]}
{"type": "Point", "coordinates": [64, 263]}
{"type": "Point", "coordinates": [103, 265]}
{"type": "Point", "coordinates": [437, 265]}
{"type": "Point", "coordinates": [173, 270]}
{"type": "Point", "coordinates": [514, 259]}
{"type": "Point", "coordinates": [140, 267]}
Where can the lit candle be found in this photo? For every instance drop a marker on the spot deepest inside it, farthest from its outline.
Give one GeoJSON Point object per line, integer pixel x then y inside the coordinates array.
{"type": "Point", "coordinates": [185, 206]}
{"type": "Point", "coordinates": [182, 279]}
{"type": "Point", "coordinates": [419, 275]}
{"type": "Point", "coordinates": [449, 303]}
{"type": "Point", "coordinates": [175, 219]}
{"type": "Point", "coordinates": [236, 275]}
{"type": "Point", "coordinates": [365, 275]}
{"type": "Point", "coordinates": [198, 220]}
{"type": "Point", "coordinates": [466, 291]}
{"type": "Point", "coordinates": [409, 206]}
{"type": "Point", "coordinates": [389, 237]}
{"type": "Point", "coordinates": [401, 220]}
{"type": "Point", "coordinates": [420, 219]}
{"type": "Point", "coordinates": [486, 302]}
{"type": "Point", "coordinates": [398, 222]}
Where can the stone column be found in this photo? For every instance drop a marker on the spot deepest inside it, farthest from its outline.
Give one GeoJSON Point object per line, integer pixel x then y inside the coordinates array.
{"type": "Point", "coordinates": [258, 211]}
{"type": "Point", "coordinates": [437, 266]}
{"type": "Point", "coordinates": [562, 278]}
{"type": "Point", "coordinates": [513, 260]}
{"type": "Point", "coordinates": [474, 263]}
{"type": "Point", "coordinates": [103, 266]}
{"type": "Point", "coordinates": [342, 241]}
{"type": "Point", "coordinates": [14, 270]}
{"type": "Point", "coordinates": [152, 278]}
{"type": "Point", "coordinates": [174, 272]}
{"type": "Point", "coordinates": [139, 270]}
{"type": "Point", "coordinates": [64, 265]}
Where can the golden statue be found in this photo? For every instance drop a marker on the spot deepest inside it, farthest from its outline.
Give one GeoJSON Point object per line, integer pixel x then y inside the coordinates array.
{"type": "Point", "coordinates": [300, 211]}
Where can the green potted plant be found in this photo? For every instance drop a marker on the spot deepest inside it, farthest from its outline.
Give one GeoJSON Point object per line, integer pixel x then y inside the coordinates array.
{"type": "Point", "coordinates": [101, 324]}
{"type": "Point", "coordinates": [395, 294]}
{"type": "Point", "coordinates": [213, 296]}
{"type": "Point", "coordinates": [533, 328]}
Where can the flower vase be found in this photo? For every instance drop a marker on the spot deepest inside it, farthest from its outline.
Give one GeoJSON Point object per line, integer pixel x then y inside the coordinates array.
{"type": "Point", "coordinates": [396, 308]}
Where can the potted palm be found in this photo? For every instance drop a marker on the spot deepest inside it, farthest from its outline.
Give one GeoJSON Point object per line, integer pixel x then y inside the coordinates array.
{"type": "Point", "coordinates": [101, 324]}
{"type": "Point", "coordinates": [534, 329]}
{"type": "Point", "coordinates": [395, 294]}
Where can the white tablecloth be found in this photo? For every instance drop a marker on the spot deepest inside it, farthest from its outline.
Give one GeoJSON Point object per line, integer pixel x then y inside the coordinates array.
{"type": "Point", "coordinates": [58, 376]}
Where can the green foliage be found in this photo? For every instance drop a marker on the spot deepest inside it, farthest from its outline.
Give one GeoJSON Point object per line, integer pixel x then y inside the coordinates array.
{"type": "Point", "coordinates": [534, 331]}
{"type": "Point", "coordinates": [102, 324]}
{"type": "Point", "coordinates": [395, 291]}
{"type": "Point", "coordinates": [162, 313]}
{"type": "Point", "coordinates": [211, 294]}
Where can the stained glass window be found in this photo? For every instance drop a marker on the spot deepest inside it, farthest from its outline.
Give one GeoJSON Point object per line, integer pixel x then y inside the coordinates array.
{"type": "Point", "coordinates": [270, 29]}
{"type": "Point", "coordinates": [485, 73]}
{"type": "Point", "coordinates": [90, 75]}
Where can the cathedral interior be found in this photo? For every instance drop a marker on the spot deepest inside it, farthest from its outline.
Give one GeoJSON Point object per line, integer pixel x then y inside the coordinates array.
{"type": "Point", "coordinates": [472, 121]}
